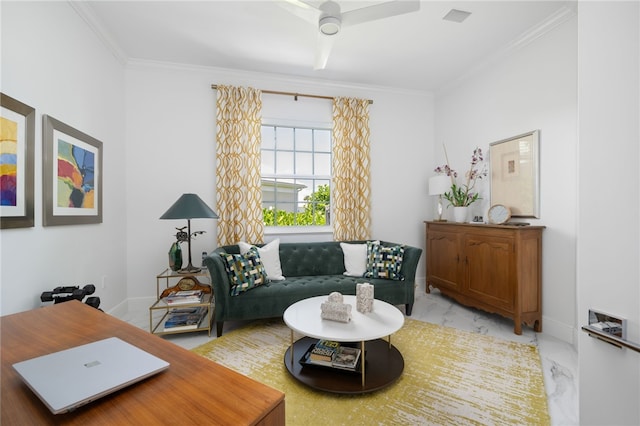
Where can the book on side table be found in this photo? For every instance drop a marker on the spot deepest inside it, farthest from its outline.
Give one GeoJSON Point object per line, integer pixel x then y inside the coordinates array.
{"type": "Point", "coordinates": [184, 318]}
{"type": "Point", "coordinates": [184, 297]}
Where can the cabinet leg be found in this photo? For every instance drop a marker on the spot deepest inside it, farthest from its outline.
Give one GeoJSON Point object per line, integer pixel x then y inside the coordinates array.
{"type": "Point", "coordinates": [517, 329]}
{"type": "Point", "coordinates": [537, 326]}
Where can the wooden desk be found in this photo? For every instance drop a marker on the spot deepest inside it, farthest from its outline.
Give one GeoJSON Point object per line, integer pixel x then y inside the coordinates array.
{"type": "Point", "coordinates": [194, 390]}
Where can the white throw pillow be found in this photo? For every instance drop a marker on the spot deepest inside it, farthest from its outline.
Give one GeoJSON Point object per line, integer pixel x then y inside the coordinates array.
{"type": "Point", "coordinates": [270, 256]}
{"type": "Point", "coordinates": [355, 259]}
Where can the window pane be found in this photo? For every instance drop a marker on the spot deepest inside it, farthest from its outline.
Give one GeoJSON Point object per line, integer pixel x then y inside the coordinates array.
{"type": "Point", "coordinates": [268, 166]}
{"type": "Point", "coordinates": [284, 138]}
{"type": "Point", "coordinates": [304, 163]}
{"type": "Point", "coordinates": [304, 140]}
{"type": "Point", "coordinates": [268, 137]}
{"type": "Point", "coordinates": [322, 164]}
{"type": "Point", "coordinates": [284, 163]}
{"type": "Point", "coordinates": [321, 183]}
{"type": "Point", "coordinates": [322, 139]}
{"type": "Point", "coordinates": [306, 190]}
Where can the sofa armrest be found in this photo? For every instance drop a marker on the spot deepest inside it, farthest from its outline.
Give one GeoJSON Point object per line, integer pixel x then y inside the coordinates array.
{"type": "Point", "coordinates": [220, 282]}
{"type": "Point", "coordinates": [410, 260]}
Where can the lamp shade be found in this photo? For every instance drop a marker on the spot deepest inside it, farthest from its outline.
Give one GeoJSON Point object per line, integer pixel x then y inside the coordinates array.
{"type": "Point", "coordinates": [439, 184]}
{"type": "Point", "coordinates": [189, 206]}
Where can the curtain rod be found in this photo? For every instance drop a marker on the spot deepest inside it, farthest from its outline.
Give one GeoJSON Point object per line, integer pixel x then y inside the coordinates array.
{"type": "Point", "coordinates": [295, 95]}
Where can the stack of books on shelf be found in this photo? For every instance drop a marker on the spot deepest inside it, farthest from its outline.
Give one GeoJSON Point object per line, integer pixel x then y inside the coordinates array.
{"type": "Point", "coordinates": [332, 354]}
{"type": "Point", "coordinates": [184, 297]}
{"type": "Point", "coordinates": [184, 318]}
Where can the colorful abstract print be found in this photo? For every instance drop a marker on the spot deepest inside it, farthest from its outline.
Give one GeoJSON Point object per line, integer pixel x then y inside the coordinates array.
{"type": "Point", "coordinates": [76, 168]}
{"type": "Point", "coordinates": [8, 162]}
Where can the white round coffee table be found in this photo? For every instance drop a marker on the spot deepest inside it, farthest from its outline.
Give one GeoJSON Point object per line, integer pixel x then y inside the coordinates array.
{"type": "Point", "coordinates": [384, 361]}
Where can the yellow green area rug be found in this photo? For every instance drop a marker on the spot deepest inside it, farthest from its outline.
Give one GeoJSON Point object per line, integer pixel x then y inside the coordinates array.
{"type": "Point", "coordinates": [450, 377]}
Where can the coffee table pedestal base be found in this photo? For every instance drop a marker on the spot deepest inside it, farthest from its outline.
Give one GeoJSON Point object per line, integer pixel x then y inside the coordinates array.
{"type": "Point", "coordinates": [383, 366]}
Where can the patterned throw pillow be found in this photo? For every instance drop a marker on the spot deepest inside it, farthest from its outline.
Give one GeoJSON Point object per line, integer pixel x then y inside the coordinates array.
{"type": "Point", "coordinates": [245, 271]}
{"type": "Point", "coordinates": [384, 262]}
{"type": "Point", "coordinates": [270, 256]}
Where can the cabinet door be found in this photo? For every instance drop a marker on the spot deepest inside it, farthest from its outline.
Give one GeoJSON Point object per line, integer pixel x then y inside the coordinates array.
{"type": "Point", "coordinates": [489, 270]}
{"type": "Point", "coordinates": [443, 259]}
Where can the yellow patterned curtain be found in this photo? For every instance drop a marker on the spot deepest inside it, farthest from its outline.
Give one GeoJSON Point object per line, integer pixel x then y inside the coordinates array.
{"type": "Point", "coordinates": [350, 191]}
{"type": "Point", "coordinates": [238, 185]}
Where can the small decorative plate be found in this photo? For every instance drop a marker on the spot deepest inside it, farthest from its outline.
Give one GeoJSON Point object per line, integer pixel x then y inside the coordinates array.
{"type": "Point", "coordinates": [499, 214]}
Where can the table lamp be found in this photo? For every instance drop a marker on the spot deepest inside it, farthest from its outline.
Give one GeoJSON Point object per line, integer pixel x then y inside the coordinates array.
{"type": "Point", "coordinates": [438, 185]}
{"type": "Point", "coordinates": [189, 206]}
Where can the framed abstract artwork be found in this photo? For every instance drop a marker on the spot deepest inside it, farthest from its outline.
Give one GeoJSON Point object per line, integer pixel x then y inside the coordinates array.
{"type": "Point", "coordinates": [72, 175]}
{"type": "Point", "coordinates": [514, 174]}
{"type": "Point", "coordinates": [17, 134]}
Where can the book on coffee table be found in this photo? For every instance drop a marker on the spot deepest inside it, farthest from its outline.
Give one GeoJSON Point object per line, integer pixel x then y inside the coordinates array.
{"type": "Point", "coordinates": [346, 358]}
{"type": "Point", "coordinates": [324, 350]}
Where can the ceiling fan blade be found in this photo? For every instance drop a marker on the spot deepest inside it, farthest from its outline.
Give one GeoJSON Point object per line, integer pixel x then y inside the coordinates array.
{"type": "Point", "coordinates": [302, 10]}
{"type": "Point", "coordinates": [379, 11]}
{"type": "Point", "coordinates": [323, 49]}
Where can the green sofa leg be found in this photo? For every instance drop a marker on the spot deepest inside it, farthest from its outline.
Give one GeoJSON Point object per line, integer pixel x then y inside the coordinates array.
{"type": "Point", "coordinates": [219, 325]}
{"type": "Point", "coordinates": [408, 308]}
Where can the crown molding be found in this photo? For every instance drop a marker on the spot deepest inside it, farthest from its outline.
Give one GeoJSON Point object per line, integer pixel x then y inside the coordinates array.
{"type": "Point", "coordinates": [88, 15]}
{"type": "Point", "coordinates": [283, 81]}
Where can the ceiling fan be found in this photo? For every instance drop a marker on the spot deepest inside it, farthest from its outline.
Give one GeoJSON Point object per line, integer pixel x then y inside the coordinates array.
{"type": "Point", "coordinates": [329, 19]}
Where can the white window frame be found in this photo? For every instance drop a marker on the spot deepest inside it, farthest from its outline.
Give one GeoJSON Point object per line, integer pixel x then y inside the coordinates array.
{"type": "Point", "coordinates": [299, 229]}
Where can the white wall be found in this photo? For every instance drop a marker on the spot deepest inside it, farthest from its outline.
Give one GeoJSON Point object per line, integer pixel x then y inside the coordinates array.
{"type": "Point", "coordinates": [171, 149]}
{"type": "Point", "coordinates": [533, 88]}
{"type": "Point", "coordinates": [608, 229]}
{"type": "Point", "coordinates": [53, 62]}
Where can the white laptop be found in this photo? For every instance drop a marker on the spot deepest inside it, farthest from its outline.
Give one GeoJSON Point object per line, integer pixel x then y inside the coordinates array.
{"type": "Point", "coordinates": [73, 377]}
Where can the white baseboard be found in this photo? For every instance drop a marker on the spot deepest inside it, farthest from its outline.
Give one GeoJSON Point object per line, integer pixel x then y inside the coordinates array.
{"type": "Point", "coordinates": [559, 330]}
{"type": "Point", "coordinates": [136, 304]}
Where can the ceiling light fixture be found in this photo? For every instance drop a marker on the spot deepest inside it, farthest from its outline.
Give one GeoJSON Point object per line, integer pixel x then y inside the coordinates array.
{"type": "Point", "coordinates": [329, 25]}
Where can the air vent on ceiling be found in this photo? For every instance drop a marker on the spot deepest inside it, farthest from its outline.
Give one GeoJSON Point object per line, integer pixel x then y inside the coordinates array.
{"type": "Point", "coordinates": [456, 15]}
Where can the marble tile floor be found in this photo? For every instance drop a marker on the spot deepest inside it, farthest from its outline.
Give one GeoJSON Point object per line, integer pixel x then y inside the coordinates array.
{"type": "Point", "coordinates": [559, 359]}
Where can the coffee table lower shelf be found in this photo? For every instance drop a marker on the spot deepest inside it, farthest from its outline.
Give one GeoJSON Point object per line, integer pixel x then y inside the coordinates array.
{"type": "Point", "coordinates": [383, 366]}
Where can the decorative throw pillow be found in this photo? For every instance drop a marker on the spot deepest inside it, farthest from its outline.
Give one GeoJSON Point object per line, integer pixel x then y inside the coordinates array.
{"type": "Point", "coordinates": [384, 262]}
{"type": "Point", "coordinates": [270, 256]}
{"type": "Point", "coordinates": [245, 271]}
{"type": "Point", "coordinates": [355, 259]}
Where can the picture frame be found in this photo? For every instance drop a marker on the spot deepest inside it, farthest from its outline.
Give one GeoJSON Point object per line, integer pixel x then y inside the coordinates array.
{"type": "Point", "coordinates": [72, 175]}
{"type": "Point", "coordinates": [17, 136]}
{"type": "Point", "coordinates": [515, 181]}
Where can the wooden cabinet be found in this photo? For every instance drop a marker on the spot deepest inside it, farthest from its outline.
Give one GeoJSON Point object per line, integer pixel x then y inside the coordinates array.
{"type": "Point", "coordinates": [494, 268]}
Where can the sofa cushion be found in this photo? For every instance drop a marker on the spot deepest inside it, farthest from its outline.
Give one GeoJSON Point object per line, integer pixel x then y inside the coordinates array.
{"type": "Point", "coordinates": [355, 259]}
{"type": "Point", "coordinates": [270, 256]}
{"type": "Point", "coordinates": [384, 262]}
{"type": "Point", "coordinates": [245, 271]}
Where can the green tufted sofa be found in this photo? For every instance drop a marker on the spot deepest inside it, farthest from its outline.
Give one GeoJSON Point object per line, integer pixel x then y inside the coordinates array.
{"type": "Point", "coordinates": [311, 269]}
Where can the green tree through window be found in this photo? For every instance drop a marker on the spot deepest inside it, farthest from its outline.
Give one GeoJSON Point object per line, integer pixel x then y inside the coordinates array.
{"type": "Point", "coordinates": [315, 212]}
